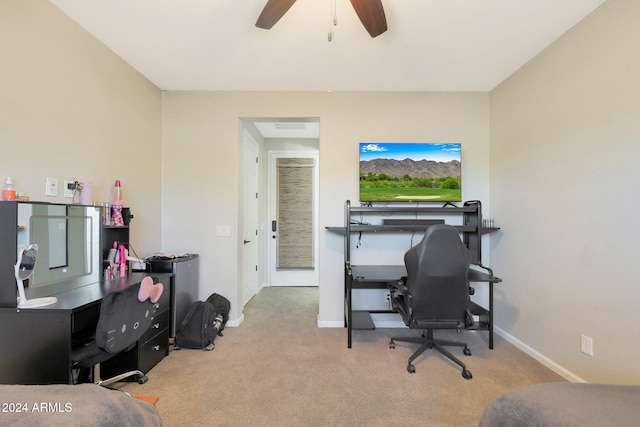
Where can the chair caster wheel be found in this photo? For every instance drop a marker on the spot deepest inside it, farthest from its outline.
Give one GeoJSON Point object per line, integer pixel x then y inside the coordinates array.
{"type": "Point", "coordinates": [466, 374]}
{"type": "Point", "coordinates": [466, 351]}
{"type": "Point", "coordinates": [412, 369]}
{"type": "Point", "coordinates": [392, 345]}
{"type": "Point", "coordinates": [143, 379]}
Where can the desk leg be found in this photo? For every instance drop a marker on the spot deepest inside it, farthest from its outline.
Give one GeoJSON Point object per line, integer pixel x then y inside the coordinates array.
{"type": "Point", "coordinates": [347, 297]}
{"type": "Point", "coordinates": [491, 315]}
{"type": "Point", "coordinates": [349, 316]}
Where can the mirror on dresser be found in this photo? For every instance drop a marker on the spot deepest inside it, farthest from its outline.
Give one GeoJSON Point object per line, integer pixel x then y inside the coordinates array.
{"type": "Point", "coordinates": [68, 238]}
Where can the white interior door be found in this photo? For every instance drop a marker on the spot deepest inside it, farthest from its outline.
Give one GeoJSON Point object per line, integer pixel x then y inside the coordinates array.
{"type": "Point", "coordinates": [293, 218]}
{"type": "Point", "coordinates": [250, 218]}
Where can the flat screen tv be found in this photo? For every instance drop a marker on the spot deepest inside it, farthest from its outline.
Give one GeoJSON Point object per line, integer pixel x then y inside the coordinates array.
{"type": "Point", "coordinates": [410, 172]}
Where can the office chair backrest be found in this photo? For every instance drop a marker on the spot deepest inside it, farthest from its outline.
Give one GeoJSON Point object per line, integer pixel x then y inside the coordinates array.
{"type": "Point", "coordinates": [437, 275]}
{"type": "Point", "coordinates": [123, 319]}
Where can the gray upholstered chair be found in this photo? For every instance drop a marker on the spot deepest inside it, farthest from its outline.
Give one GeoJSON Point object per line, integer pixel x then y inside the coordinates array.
{"type": "Point", "coordinates": [435, 293]}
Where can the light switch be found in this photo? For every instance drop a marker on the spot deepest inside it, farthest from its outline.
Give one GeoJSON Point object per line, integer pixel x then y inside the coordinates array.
{"type": "Point", "coordinates": [223, 230]}
{"type": "Point", "coordinates": [51, 187]}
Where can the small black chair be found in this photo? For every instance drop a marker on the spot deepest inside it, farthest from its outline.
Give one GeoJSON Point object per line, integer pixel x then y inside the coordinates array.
{"type": "Point", "coordinates": [122, 322]}
{"type": "Point", "coordinates": [435, 293]}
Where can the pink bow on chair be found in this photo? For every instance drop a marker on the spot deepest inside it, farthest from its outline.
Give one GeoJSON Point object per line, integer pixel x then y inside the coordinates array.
{"type": "Point", "coordinates": [150, 291]}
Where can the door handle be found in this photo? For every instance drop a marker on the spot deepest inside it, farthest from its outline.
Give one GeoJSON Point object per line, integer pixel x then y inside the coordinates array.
{"type": "Point", "coordinates": [247, 241]}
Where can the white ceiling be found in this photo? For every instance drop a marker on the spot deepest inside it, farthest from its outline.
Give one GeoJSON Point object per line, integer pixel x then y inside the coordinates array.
{"type": "Point", "coordinates": [431, 45]}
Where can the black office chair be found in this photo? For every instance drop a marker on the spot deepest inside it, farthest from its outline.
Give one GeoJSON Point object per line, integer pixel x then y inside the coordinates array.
{"type": "Point", "coordinates": [122, 322]}
{"type": "Point", "coordinates": [435, 293]}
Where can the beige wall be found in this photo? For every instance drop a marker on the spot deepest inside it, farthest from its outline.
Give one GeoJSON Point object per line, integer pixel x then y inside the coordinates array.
{"type": "Point", "coordinates": [565, 143]}
{"type": "Point", "coordinates": [70, 108]}
{"type": "Point", "coordinates": [202, 171]}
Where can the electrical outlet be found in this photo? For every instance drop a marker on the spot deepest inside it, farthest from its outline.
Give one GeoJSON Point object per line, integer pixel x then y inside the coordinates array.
{"type": "Point", "coordinates": [586, 345]}
{"type": "Point", "coordinates": [69, 189]}
{"type": "Point", "coordinates": [51, 187]}
{"type": "Point", "coordinates": [138, 266]}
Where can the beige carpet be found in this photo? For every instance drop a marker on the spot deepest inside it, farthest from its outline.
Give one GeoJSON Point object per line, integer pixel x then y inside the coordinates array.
{"type": "Point", "coordinates": [279, 369]}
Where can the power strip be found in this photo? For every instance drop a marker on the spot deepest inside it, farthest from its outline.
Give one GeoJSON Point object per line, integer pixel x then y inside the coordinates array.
{"type": "Point", "coordinates": [139, 266]}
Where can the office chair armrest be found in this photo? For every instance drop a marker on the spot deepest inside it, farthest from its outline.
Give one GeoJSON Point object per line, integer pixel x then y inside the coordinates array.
{"type": "Point", "coordinates": [401, 298]}
{"type": "Point", "coordinates": [398, 287]}
{"type": "Point", "coordinates": [468, 318]}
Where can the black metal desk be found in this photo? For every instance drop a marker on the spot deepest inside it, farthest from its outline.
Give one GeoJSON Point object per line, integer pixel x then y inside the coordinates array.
{"type": "Point", "coordinates": [378, 276]}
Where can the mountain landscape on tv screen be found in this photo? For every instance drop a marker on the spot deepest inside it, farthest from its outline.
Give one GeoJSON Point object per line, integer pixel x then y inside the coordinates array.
{"type": "Point", "coordinates": [415, 168]}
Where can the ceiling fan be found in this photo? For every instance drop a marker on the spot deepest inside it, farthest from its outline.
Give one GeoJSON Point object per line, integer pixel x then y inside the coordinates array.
{"type": "Point", "coordinates": [370, 12]}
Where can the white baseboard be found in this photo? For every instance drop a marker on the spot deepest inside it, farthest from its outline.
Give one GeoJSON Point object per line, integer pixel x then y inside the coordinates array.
{"type": "Point", "coordinates": [330, 324]}
{"type": "Point", "coordinates": [235, 323]}
{"type": "Point", "coordinates": [560, 370]}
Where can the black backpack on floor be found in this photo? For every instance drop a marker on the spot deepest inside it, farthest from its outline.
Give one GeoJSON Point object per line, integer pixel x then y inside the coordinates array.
{"type": "Point", "coordinates": [221, 306]}
{"type": "Point", "coordinates": [196, 330]}
{"type": "Point", "coordinates": [204, 321]}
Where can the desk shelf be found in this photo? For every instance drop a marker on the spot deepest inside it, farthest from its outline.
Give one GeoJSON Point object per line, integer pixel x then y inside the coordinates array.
{"type": "Point", "coordinates": [378, 276]}
{"type": "Point", "coordinates": [362, 320]}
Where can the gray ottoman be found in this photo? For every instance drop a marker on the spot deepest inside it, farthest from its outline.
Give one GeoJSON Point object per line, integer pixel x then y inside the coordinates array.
{"type": "Point", "coordinates": [565, 404]}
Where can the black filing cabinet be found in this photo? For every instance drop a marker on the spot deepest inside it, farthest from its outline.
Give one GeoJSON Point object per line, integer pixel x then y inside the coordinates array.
{"type": "Point", "coordinates": [186, 284]}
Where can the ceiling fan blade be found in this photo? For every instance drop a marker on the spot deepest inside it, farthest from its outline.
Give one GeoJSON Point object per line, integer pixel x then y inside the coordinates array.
{"type": "Point", "coordinates": [371, 14]}
{"type": "Point", "coordinates": [272, 12]}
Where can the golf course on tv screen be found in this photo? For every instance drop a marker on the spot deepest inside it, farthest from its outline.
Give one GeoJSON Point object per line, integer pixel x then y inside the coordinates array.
{"type": "Point", "coordinates": [410, 172]}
